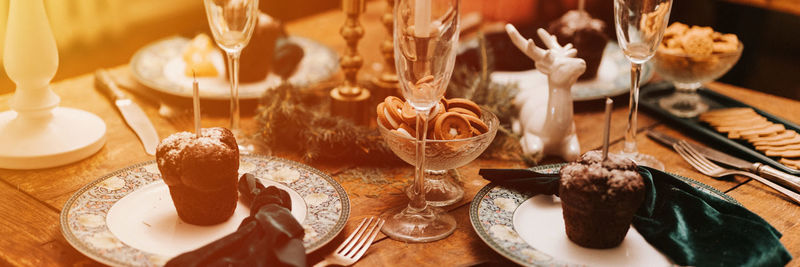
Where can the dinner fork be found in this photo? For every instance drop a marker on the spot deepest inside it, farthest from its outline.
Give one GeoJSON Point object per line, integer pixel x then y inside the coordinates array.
{"type": "Point", "coordinates": [705, 166]}
{"type": "Point", "coordinates": [355, 245]}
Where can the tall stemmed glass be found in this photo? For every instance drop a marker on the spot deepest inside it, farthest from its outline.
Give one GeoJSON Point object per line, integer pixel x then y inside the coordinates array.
{"type": "Point", "coordinates": [232, 23]}
{"type": "Point", "coordinates": [425, 40]}
{"type": "Point", "coordinates": [640, 26]}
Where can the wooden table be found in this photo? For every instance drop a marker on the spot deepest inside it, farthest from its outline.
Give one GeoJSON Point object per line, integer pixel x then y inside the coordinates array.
{"type": "Point", "coordinates": [30, 201]}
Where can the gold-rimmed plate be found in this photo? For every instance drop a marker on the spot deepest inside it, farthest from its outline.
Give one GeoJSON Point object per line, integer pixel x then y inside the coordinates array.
{"type": "Point", "coordinates": [127, 218]}
{"type": "Point", "coordinates": [529, 229]}
{"type": "Point", "coordinates": [160, 66]}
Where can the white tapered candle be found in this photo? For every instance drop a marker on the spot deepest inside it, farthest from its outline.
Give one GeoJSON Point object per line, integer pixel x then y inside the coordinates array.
{"type": "Point", "coordinates": [422, 18]}
{"type": "Point", "coordinates": [196, 105]}
{"type": "Point", "coordinates": [607, 130]}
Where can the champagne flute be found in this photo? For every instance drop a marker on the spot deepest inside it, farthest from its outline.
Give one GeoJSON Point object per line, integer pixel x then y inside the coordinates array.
{"type": "Point", "coordinates": [640, 26]}
{"type": "Point", "coordinates": [425, 39]}
{"type": "Point", "coordinates": [232, 23]}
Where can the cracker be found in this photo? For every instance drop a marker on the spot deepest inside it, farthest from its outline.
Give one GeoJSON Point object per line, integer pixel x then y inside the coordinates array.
{"type": "Point", "coordinates": [780, 136]}
{"type": "Point", "coordinates": [772, 129]}
{"type": "Point", "coordinates": [790, 141]}
{"type": "Point", "coordinates": [736, 122]}
{"type": "Point", "coordinates": [785, 154]}
{"type": "Point", "coordinates": [743, 126]}
{"type": "Point", "coordinates": [720, 47]}
{"type": "Point", "coordinates": [779, 148]}
{"type": "Point", "coordinates": [676, 29]}
{"type": "Point", "coordinates": [794, 163]}
{"type": "Point", "coordinates": [727, 112]}
{"type": "Point", "coordinates": [697, 43]}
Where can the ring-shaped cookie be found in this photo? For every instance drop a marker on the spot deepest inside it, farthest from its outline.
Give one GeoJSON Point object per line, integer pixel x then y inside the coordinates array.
{"type": "Point", "coordinates": [408, 114]}
{"type": "Point", "coordinates": [464, 111]}
{"type": "Point", "coordinates": [382, 116]}
{"type": "Point", "coordinates": [402, 131]}
{"type": "Point", "coordinates": [407, 128]}
{"type": "Point", "coordinates": [437, 111]}
{"type": "Point", "coordinates": [478, 125]}
{"type": "Point", "coordinates": [451, 125]}
{"type": "Point", "coordinates": [394, 107]}
{"type": "Point", "coordinates": [465, 104]}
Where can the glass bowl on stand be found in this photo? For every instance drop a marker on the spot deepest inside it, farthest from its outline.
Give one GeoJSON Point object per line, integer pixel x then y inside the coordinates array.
{"type": "Point", "coordinates": [443, 157]}
{"type": "Point", "coordinates": [687, 73]}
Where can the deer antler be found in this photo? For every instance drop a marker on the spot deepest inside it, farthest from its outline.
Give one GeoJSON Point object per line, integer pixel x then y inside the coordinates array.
{"type": "Point", "coordinates": [526, 46]}
{"type": "Point", "coordinates": [553, 46]}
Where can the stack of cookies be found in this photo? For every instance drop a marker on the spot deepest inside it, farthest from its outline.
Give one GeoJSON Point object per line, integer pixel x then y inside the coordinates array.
{"type": "Point", "coordinates": [772, 139]}
{"type": "Point", "coordinates": [679, 38]}
{"type": "Point", "coordinates": [450, 119]}
{"type": "Point", "coordinates": [691, 53]}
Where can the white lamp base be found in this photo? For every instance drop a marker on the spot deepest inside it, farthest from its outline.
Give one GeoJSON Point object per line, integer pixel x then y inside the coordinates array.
{"type": "Point", "coordinates": [68, 136]}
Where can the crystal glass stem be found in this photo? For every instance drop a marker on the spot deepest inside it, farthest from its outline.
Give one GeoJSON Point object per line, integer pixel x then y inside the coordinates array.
{"type": "Point", "coordinates": [233, 76]}
{"type": "Point", "coordinates": [633, 110]}
{"type": "Point", "coordinates": [418, 202]}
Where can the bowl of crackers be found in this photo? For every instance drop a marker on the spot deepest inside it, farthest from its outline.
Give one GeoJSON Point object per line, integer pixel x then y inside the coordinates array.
{"type": "Point", "coordinates": [689, 56]}
{"type": "Point", "coordinates": [458, 132]}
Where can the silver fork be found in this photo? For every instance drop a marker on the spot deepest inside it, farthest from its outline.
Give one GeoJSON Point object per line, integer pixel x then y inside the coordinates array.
{"type": "Point", "coordinates": [705, 166]}
{"type": "Point", "coordinates": [355, 245]}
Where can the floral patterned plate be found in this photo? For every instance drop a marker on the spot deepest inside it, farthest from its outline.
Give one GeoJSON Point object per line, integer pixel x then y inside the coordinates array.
{"type": "Point", "coordinates": [127, 218]}
{"type": "Point", "coordinates": [160, 66]}
{"type": "Point", "coordinates": [529, 230]}
{"type": "Point", "coordinates": [613, 77]}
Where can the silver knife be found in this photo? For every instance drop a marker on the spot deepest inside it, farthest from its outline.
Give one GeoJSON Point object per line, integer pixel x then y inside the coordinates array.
{"type": "Point", "coordinates": [131, 112]}
{"type": "Point", "coordinates": [785, 179]}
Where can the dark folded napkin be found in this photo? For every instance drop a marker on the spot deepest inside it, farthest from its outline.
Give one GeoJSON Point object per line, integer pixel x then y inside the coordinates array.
{"type": "Point", "coordinates": [689, 225]}
{"type": "Point", "coordinates": [270, 236]}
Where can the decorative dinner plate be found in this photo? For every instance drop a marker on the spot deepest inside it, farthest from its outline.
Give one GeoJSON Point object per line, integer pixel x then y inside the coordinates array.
{"type": "Point", "coordinates": [613, 77]}
{"type": "Point", "coordinates": [529, 230]}
{"type": "Point", "coordinates": [127, 217]}
{"type": "Point", "coordinates": [160, 66]}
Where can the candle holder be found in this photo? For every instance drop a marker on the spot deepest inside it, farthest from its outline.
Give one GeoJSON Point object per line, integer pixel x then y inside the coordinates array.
{"type": "Point", "coordinates": [386, 83]}
{"type": "Point", "coordinates": [37, 133]}
{"type": "Point", "coordinates": [350, 100]}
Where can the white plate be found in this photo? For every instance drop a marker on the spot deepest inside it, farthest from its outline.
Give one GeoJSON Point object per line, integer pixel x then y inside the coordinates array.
{"type": "Point", "coordinates": [529, 230]}
{"type": "Point", "coordinates": [160, 67]}
{"type": "Point", "coordinates": [127, 217]}
{"type": "Point", "coordinates": [613, 77]}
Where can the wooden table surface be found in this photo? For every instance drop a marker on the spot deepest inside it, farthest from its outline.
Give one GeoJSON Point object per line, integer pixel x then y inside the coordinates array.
{"type": "Point", "coordinates": [31, 200]}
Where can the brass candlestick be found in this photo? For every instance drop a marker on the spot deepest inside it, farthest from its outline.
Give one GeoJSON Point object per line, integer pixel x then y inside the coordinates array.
{"type": "Point", "coordinates": [386, 83]}
{"type": "Point", "coordinates": [349, 100]}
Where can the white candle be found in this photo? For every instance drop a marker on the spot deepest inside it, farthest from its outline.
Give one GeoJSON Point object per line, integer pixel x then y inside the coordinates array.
{"type": "Point", "coordinates": [607, 130]}
{"type": "Point", "coordinates": [422, 18]}
{"type": "Point", "coordinates": [196, 105]}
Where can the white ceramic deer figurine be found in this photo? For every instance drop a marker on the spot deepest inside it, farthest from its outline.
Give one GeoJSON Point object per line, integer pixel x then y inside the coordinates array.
{"type": "Point", "coordinates": [545, 118]}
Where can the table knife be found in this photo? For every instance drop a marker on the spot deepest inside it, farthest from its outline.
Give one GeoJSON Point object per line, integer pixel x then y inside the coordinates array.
{"type": "Point", "coordinates": [766, 171]}
{"type": "Point", "coordinates": [134, 116]}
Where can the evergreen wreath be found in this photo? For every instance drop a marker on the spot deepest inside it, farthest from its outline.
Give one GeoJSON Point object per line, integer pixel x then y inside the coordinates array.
{"type": "Point", "coordinates": [298, 120]}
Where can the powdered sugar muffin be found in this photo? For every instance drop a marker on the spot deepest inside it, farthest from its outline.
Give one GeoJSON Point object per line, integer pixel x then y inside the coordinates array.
{"type": "Point", "coordinates": [201, 174]}
{"type": "Point", "coordinates": [599, 199]}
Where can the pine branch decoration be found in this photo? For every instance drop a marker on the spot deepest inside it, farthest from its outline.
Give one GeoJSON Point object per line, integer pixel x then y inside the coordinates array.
{"type": "Point", "coordinates": [299, 121]}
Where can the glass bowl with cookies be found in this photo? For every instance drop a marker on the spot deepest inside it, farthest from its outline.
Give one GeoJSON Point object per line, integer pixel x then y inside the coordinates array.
{"type": "Point", "coordinates": [458, 132]}
{"type": "Point", "coordinates": [690, 56]}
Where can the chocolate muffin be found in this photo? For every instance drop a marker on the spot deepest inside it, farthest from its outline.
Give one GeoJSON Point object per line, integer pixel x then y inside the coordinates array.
{"type": "Point", "coordinates": [599, 199]}
{"type": "Point", "coordinates": [201, 174]}
{"type": "Point", "coordinates": [588, 36]}
{"type": "Point", "coordinates": [256, 58]}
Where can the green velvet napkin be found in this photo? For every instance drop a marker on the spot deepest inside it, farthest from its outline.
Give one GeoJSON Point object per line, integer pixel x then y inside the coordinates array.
{"type": "Point", "coordinates": [696, 228]}
{"type": "Point", "coordinates": [270, 236]}
{"type": "Point", "coordinates": [690, 226]}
